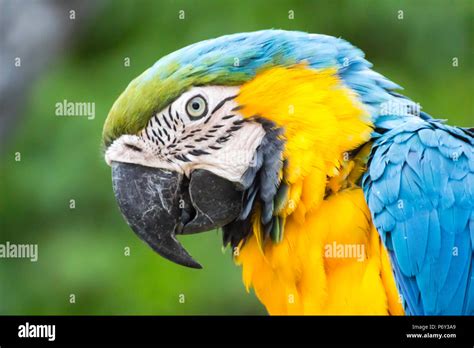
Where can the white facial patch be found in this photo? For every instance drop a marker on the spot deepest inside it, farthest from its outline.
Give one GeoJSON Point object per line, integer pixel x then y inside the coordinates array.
{"type": "Point", "coordinates": [201, 129]}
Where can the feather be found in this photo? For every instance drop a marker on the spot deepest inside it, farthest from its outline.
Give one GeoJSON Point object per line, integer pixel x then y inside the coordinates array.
{"type": "Point", "coordinates": [431, 233]}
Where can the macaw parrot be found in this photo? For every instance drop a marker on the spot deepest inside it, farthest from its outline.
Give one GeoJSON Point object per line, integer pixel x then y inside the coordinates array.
{"type": "Point", "coordinates": [337, 194]}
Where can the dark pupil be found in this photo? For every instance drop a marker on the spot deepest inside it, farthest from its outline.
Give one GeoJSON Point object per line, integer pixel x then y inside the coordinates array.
{"type": "Point", "coordinates": [195, 105]}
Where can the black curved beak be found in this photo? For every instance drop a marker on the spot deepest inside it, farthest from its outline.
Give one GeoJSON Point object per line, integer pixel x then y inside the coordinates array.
{"type": "Point", "coordinates": [159, 204]}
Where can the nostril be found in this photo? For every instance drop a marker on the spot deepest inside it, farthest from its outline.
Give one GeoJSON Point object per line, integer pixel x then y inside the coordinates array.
{"type": "Point", "coordinates": [133, 147]}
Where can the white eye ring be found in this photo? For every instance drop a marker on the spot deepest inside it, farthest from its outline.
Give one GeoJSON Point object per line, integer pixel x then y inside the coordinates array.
{"type": "Point", "coordinates": [196, 107]}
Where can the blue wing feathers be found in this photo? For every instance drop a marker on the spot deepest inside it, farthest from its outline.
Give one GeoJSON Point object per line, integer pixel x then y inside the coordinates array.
{"type": "Point", "coordinates": [389, 187]}
{"type": "Point", "coordinates": [408, 289]}
{"type": "Point", "coordinates": [427, 137]}
{"type": "Point", "coordinates": [468, 306]}
{"type": "Point", "coordinates": [471, 229]}
{"type": "Point", "coordinates": [419, 186]}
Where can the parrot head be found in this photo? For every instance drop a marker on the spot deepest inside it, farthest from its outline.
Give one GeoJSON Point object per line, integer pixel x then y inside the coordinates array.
{"type": "Point", "coordinates": [196, 143]}
{"type": "Point", "coordinates": [184, 171]}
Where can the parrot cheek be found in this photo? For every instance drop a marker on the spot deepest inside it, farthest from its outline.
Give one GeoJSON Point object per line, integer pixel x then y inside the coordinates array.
{"type": "Point", "coordinates": [158, 204]}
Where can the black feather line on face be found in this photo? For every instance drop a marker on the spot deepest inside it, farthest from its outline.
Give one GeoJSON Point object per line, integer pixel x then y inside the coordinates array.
{"type": "Point", "coordinates": [238, 107]}
{"type": "Point", "coordinates": [182, 157]}
{"type": "Point", "coordinates": [187, 136]}
{"type": "Point", "coordinates": [146, 134]}
{"type": "Point", "coordinates": [166, 122]}
{"type": "Point", "coordinates": [223, 139]}
{"type": "Point", "coordinates": [161, 141]}
{"type": "Point", "coordinates": [234, 128]}
{"type": "Point", "coordinates": [198, 152]}
{"type": "Point", "coordinates": [222, 102]}
{"type": "Point", "coordinates": [169, 114]}
{"type": "Point", "coordinates": [260, 183]}
{"type": "Point", "coordinates": [133, 147]}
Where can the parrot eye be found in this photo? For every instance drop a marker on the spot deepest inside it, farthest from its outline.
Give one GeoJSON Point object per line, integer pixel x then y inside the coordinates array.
{"type": "Point", "coordinates": [196, 107]}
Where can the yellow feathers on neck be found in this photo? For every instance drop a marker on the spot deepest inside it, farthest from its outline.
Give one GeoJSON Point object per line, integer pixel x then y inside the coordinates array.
{"type": "Point", "coordinates": [321, 118]}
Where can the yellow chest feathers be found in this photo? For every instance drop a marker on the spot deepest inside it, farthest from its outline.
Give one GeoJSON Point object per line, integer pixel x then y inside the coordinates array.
{"type": "Point", "coordinates": [333, 263]}
{"type": "Point", "coordinates": [330, 260]}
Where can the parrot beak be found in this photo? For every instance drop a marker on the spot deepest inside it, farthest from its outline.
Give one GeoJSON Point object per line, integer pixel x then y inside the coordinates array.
{"type": "Point", "coordinates": [158, 204]}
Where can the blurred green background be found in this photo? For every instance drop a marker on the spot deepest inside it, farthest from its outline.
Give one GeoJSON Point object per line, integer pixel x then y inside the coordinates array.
{"type": "Point", "coordinates": [81, 250]}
